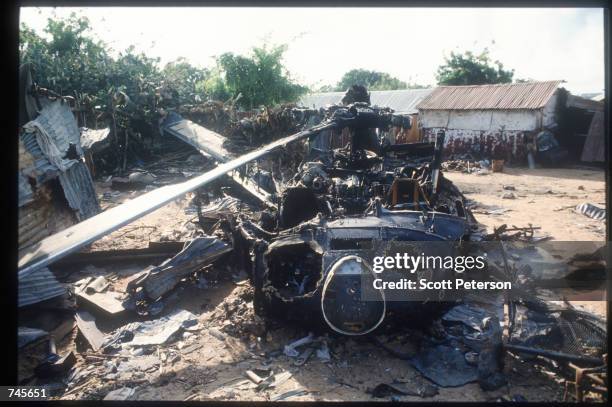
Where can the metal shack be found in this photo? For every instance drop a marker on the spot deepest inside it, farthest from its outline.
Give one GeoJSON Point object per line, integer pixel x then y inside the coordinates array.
{"type": "Point", "coordinates": [55, 187]}
{"type": "Point", "coordinates": [486, 119]}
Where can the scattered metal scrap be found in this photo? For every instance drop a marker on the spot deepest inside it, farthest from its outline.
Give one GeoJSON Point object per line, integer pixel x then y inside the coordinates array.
{"type": "Point", "coordinates": [592, 211]}
{"type": "Point", "coordinates": [596, 378]}
{"type": "Point", "coordinates": [527, 233]}
{"type": "Point", "coordinates": [152, 283]}
{"type": "Point", "coordinates": [320, 225]}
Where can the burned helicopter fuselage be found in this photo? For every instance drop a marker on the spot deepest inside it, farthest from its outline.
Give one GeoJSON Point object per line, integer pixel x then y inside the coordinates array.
{"type": "Point", "coordinates": [343, 207]}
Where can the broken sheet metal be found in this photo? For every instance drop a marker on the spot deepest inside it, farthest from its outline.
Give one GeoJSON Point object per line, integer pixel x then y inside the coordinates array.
{"type": "Point", "coordinates": [197, 136]}
{"type": "Point", "coordinates": [224, 206]}
{"type": "Point", "coordinates": [196, 254]}
{"type": "Point", "coordinates": [63, 243]}
{"type": "Point", "coordinates": [592, 211]}
{"type": "Point", "coordinates": [53, 142]}
{"type": "Point", "coordinates": [79, 190]}
{"type": "Point", "coordinates": [38, 286]}
{"type": "Point", "coordinates": [32, 161]}
{"type": "Point", "coordinates": [88, 328]}
{"type": "Point", "coordinates": [150, 333]}
{"type": "Point", "coordinates": [56, 131]}
{"type": "Point", "coordinates": [94, 140]}
{"type": "Point", "coordinates": [28, 335]}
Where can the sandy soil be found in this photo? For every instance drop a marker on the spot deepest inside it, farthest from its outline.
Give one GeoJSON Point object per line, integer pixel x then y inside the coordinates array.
{"type": "Point", "coordinates": [544, 198]}
{"type": "Point", "coordinates": [216, 370]}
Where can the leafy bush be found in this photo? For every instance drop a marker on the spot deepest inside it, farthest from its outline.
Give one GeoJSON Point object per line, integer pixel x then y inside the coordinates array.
{"type": "Point", "coordinates": [127, 90]}
{"type": "Point", "coordinates": [471, 69]}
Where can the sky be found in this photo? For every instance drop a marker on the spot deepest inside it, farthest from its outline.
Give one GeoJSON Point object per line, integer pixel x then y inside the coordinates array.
{"type": "Point", "coordinates": [324, 43]}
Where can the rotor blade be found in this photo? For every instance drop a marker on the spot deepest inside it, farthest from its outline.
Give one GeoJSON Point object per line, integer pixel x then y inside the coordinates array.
{"type": "Point", "coordinates": [73, 238]}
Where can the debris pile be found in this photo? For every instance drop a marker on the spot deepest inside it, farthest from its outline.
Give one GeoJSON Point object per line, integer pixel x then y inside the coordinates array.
{"type": "Point", "coordinates": [246, 301]}
{"type": "Point", "coordinates": [467, 165]}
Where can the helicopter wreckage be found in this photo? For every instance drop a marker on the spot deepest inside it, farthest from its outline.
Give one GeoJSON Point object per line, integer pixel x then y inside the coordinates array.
{"type": "Point", "coordinates": [307, 251]}
{"type": "Point", "coordinates": [309, 229]}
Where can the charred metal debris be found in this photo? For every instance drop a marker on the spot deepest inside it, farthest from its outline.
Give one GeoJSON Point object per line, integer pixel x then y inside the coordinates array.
{"type": "Point", "coordinates": [296, 230]}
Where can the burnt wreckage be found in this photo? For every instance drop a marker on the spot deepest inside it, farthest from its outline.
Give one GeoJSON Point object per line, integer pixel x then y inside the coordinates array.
{"type": "Point", "coordinates": [310, 253]}
{"type": "Point", "coordinates": [312, 256]}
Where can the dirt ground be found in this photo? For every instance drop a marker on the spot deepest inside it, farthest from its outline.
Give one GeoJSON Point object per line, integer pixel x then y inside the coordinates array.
{"type": "Point", "coordinates": [229, 339]}
{"type": "Point", "coordinates": [544, 198]}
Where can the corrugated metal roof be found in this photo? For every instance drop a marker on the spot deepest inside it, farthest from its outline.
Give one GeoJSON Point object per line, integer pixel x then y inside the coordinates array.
{"type": "Point", "coordinates": [42, 169]}
{"type": "Point", "coordinates": [318, 100]}
{"type": "Point", "coordinates": [530, 95]}
{"type": "Point", "coordinates": [79, 190]}
{"type": "Point", "coordinates": [38, 286]}
{"type": "Point", "coordinates": [582, 103]}
{"type": "Point", "coordinates": [401, 101]}
{"type": "Point", "coordinates": [58, 120]}
{"type": "Point", "coordinates": [25, 190]}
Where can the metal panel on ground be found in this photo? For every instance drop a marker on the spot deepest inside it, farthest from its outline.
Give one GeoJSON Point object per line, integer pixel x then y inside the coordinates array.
{"type": "Point", "coordinates": [38, 286]}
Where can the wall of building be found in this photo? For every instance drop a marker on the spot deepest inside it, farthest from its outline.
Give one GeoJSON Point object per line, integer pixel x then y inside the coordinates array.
{"type": "Point", "coordinates": [481, 143]}
{"type": "Point", "coordinates": [481, 120]}
{"type": "Point", "coordinates": [479, 132]}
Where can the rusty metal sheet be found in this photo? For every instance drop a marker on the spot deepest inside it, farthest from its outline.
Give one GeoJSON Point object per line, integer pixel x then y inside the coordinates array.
{"type": "Point", "coordinates": [530, 95]}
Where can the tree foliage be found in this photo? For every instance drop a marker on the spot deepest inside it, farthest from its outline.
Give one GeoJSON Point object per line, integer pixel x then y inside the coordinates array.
{"type": "Point", "coordinates": [185, 80]}
{"type": "Point", "coordinates": [255, 80]}
{"type": "Point", "coordinates": [372, 80]}
{"type": "Point", "coordinates": [471, 69]}
{"type": "Point", "coordinates": [69, 60]}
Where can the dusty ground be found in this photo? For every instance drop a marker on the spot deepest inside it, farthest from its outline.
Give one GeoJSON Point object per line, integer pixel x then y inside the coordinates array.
{"type": "Point", "coordinates": [545, 198]}
{"type": "Point", "coordinates": [216, 364]}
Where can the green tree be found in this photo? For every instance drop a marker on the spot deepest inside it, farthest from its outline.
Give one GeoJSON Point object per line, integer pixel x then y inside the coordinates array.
{"type": "Point", "coordinates": [186, 80]}
{"type": "Point", "coordinates": [259, 79]}
{"type": "Point", "coordinates": [70, 60]}
{"type": "Point", "coordinates": [372, 80]}
{"type": "Point", "coordinates": [471, 69]}
{"type": "Point", "coordinates": [120, 92]}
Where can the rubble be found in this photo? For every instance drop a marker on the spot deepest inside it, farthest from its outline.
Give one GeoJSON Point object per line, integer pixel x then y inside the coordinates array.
{"type": "Point", "coordinates": [152, 283]}
{"type": "Point", "coordinates": [148, 333]}
{"type": "Point", "coordinates": [222, 303]}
